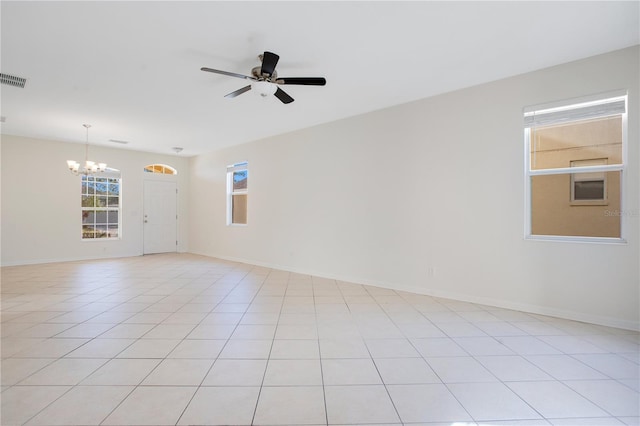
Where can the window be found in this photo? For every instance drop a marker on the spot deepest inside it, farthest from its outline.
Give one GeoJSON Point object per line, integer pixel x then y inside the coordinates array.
{"type": "Point", "coordinates": [237, 193]}
{"type": "Point", "coordinates": [574, 165]}
{"type": "Point", "coordinates": [101, 206]}
{"type": "Point", "coordinates": [589, 188]}
{"type": "Point", "coordinates": [160, 169]}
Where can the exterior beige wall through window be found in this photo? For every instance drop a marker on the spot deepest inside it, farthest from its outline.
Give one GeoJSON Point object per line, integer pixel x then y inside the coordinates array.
{"type": "Point", "coordinates": [575, 164]}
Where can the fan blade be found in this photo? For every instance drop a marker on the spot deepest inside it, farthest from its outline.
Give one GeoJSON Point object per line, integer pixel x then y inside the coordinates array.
{"type": "Point", "coordinates": [306, 81]}
{"type": "Point", "coordinates": [269, 62]}
{"type": "Point", "coordinates": [230, 74]}
{"type": "Point", "coordinates": [238, 92]}
{"type": "Point", "coordinates": [282, 95]}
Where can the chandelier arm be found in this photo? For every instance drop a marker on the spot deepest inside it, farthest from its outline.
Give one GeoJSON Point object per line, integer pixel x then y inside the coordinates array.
{"type": "Point", "coordinates": [89, 167]}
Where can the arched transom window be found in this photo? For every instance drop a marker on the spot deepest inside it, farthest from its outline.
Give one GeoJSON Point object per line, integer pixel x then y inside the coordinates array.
{"type": "Point", "coordinates": [161, 169]}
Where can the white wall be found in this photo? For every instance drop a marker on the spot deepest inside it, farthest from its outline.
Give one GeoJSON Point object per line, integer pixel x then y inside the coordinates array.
{"type": "Point", "coordinates": [41, 219]}
{"type": "Point", "coordinates": [428, 197]}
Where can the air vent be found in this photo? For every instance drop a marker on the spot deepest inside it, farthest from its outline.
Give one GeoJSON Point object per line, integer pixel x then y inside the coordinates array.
{"type": "Point", "coordinates": [12, 80]}
{"type": "Point", "coordinates": [118, 141]}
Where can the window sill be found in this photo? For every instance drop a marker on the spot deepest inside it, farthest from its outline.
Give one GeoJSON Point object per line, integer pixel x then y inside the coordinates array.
{"type": "Point", "coordinates": [589, 203]}
{"type": "Point", "coordinates": [569, 239]}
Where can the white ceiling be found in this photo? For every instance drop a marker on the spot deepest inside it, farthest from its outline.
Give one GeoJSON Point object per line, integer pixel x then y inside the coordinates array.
{"type": "Point", "coordinates": [132, 69]}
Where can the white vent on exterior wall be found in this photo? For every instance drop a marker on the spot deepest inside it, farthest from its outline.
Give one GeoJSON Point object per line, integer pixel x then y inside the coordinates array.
{"type": "Point", "coordinates": [12, 80]}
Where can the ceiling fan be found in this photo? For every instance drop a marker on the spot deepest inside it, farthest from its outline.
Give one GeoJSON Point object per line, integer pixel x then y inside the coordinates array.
{"type": "Point", "coordinates": [264, 79]}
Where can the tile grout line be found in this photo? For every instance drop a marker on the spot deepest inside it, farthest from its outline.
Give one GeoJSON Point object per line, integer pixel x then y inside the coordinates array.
{"type": "Point", "coordinates": [153, 369]}
{"type": "Point", "coordinates": [266, 367]}
{"type": "Point", "coordinates": [71, 387]}
{"type": "Point", "coordinates": [324, 390]}
{"type": "Point", "coordinates": [393, 403]}
{"type": "Point", "coordinates": [223, 346]}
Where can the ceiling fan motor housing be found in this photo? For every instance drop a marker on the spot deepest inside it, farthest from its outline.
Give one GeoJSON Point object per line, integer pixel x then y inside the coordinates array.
{"type": "Point", "coordinates": [256, 72]}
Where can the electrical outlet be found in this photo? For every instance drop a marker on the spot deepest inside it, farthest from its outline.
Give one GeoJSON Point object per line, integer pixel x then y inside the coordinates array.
{"type": "Point", "coordinates": [431, 271]}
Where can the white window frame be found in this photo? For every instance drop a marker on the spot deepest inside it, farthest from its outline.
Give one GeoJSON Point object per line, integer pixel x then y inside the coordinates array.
{"type": "Point", "coordinates": [562, 112]}
{"type": "Point", "coordinates": [230, 192]}
{"type": "Point", "coordinates": [110, 174]}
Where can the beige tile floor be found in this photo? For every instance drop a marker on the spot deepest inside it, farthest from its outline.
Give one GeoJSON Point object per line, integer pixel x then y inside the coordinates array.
{"type": "Point", "coordinates": [180, 339]}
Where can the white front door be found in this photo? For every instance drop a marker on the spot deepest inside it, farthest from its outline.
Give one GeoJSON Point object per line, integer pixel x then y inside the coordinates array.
{"type": "Point", "coordinates": [160, 219]}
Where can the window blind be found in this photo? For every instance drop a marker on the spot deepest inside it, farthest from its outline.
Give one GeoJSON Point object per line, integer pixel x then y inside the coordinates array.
{"type": "Point", "coordinates": [237, 166]}
{"type": "Point", "coordinates": [548, 117]}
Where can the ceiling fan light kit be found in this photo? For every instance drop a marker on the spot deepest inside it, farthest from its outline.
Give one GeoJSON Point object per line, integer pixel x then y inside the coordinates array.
{"type": "Point", "coordinates": [264, 79]}
{"type": "Point", "coordinates": [264, 88]}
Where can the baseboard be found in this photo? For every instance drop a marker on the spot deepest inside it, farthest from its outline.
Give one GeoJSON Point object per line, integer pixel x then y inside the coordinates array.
{"type": "Point", "coordinates": [498, 303]}
{"type": "Point", "coordinates": [64, 259]}
{"type": "Point", "coordinates": [73, 259]}
{"type": "Point", "coordinates": [536, 309]}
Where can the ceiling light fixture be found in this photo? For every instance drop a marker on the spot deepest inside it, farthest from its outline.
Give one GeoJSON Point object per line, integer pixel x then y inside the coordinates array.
{"type": "Point", "coordinates": [90, 167]}
{"type": "Point", "coordinates": [263, 88]}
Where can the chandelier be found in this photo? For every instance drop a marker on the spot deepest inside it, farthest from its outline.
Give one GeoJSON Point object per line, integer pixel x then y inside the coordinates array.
{"type": "Point", "coordinates": [90, 167]}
